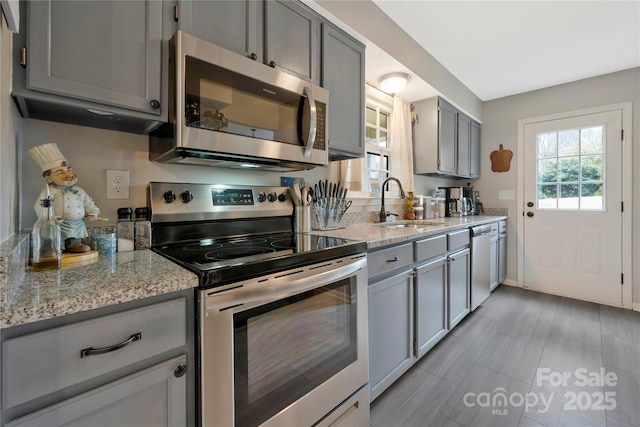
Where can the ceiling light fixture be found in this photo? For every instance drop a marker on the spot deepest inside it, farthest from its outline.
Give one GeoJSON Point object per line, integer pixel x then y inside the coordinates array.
{"type": "Point", "coordinates": [394, 82]}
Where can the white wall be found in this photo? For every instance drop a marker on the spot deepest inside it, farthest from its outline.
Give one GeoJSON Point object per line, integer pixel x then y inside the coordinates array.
{"type": "Point", "coordinates": [92, 151]}
{"type": "Point", "coordinates": [499, 126]}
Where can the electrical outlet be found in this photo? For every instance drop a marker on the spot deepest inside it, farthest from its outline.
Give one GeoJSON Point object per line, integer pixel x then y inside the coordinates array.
{"type": "Point", "coordinates": [117, 184]}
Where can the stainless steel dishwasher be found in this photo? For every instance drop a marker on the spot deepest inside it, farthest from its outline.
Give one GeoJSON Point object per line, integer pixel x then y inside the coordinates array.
{"type": "Point", "coordinates": [480, 264]}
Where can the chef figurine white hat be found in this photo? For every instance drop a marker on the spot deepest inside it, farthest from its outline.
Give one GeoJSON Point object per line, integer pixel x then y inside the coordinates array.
{"type": "Point", "coordinates": [47, 156]}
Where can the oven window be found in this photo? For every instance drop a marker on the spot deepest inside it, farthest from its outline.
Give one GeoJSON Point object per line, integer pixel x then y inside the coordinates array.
{"type": "Point", "coordinates": [285, 349]}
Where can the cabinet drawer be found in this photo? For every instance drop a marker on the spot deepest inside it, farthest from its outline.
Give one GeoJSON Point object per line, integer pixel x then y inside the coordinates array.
{"type": "Point", "coordinates": [458, 239]}
{"type": "Point", "coordinates": [431, 247]}
{"type": "Point", "coordinates": [37, 364]}
{"type": "Point", "coordinates": [502, 226]}
{"type": "Point", "coordinates": [385, 260]}
{"type": "Point", "coordinates": [494, 228]}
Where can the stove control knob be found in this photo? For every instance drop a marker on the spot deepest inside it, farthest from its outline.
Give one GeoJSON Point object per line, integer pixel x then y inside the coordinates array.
{"type": "Point", "coordinates": [186, 196]}
{"type": "Point", "coordinates": [282, 197]}
{"type": "Point", "coordinates": [272, 197]}
{"type": "Point", "coordinates": [261, 197]}
{"type": "Point", "coordinates": [169, 196]}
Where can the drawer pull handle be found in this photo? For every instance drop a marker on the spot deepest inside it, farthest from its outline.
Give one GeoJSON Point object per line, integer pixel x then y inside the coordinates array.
{"type": "Point", "coordinates": [85, 352]}
{"type": "Point", "coordinates": [394, 259]}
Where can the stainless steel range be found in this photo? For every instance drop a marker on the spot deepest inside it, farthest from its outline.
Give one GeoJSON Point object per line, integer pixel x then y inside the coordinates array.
{"type": "Point", "coordinates": [282, 316]}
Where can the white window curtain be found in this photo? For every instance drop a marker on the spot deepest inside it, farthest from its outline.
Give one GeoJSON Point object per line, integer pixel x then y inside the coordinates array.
{"type": "Point", "coordinates": [352, 171]}
{"type": "Point", "coordinates": [401, 143]}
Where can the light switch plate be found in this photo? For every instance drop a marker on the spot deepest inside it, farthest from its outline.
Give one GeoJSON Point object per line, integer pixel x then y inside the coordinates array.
{"type": "Point", "coordinates": [506, 195]}
{"type": "Point", "coordinates": [117, 184]}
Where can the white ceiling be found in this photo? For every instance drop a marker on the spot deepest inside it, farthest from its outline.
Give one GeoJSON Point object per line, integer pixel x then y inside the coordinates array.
{"type": "Point", "coordinates": [501, 48]}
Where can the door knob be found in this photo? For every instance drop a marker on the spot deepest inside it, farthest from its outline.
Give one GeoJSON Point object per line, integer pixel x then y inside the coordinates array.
{"type": "Point", "coordinates": [529, 214]}
{"type": "Point", "coordinates": [530, 204]}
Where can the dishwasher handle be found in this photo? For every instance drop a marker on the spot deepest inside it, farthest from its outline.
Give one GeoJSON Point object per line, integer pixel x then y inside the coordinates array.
{"type": "Point", "coordinates": [480, 230]}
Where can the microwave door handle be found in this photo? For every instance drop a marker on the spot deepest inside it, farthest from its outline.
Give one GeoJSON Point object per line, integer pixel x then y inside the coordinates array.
{"type": "Point", "coordinates": [313, 121]}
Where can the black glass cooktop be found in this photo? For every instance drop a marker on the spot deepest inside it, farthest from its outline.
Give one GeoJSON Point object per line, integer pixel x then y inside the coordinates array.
{"type": "Point", "coordinates": [219, 261]}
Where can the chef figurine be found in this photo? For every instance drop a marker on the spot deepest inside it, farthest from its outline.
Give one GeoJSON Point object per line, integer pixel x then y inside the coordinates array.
{"type": "Point", "coordinates": [71, 204]}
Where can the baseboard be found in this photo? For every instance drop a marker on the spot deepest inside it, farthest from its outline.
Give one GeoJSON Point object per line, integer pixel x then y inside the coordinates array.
{"type": "Point", "coordinates": [636, 306]}
{"type": "Point", "coordinates": [510, 282]}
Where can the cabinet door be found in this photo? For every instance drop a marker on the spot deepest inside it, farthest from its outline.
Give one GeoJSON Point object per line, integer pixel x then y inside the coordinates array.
{"type": "Point", "coordinates": [390, 330]}
{"type": "Point", "coordinates": [108, 52]}
{"type": "Point", "coordinates": [493, 259]}
{"type": "Point", "coordinates": [153, 397]}
{"type": "Point", "coordinates": [502, 258]}
{"type": "Point", "coordinates": [343, 76]}
{"type": "Point", "coordinates": [474, 147]}
{"type": "Point", "coordinates": [464, 145]}
{"type": "Point", "coordinates": [459, 286]}
{"type": "Point", "coordinates": [447, 137]}
{"type": "Point", "coordinates": [431, 304]}
{"type": "Point", "coordinates": [291, 38]}
{"type": "Point", "coordinates": [235, 25]}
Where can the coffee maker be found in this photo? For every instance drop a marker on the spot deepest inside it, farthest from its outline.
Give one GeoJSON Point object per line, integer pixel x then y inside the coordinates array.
{"type": "Point", "coordinates": [459, 201]}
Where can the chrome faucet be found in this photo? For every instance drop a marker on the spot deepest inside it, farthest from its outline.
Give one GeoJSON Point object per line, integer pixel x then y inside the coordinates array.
{"type": "Point", "coordinates": [383, 213]}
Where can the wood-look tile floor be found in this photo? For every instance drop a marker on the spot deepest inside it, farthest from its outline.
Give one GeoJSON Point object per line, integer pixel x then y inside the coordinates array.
{"type": "Point", "coordinates": [518, 345]}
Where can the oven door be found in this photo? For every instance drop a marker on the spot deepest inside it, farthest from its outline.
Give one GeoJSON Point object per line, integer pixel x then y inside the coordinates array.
{"type": "Point", "coordinates": [284, 349]}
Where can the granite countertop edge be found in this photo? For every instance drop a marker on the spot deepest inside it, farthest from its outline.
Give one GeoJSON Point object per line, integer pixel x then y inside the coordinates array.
{"type": "Point", "coordinates": [27, 296]}
{"type": "Point", "coordinates": [379, 236]}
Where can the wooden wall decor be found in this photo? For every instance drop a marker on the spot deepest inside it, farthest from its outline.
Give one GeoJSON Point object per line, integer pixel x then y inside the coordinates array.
{"type": "Point", "coordinates": [501, 160]}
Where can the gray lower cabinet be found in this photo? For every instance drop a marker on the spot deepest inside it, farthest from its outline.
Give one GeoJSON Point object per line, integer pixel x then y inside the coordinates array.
{"type": "Point", "coordinates": [431, 315]}
{"type": "Point", "coordinates": [96, 63]}
{"type": "Point", "coordinates": [502, 251]}
{"type": "Point", "coordinates": [121, 365]}
{"type": "Point", "coordinates": [459, 278]}
{"type": "Point", "coordinates": [343, 75]}
{"type": "Point", "coordinates": [152, 397]}
{"type": "Point", "coordinates": [390, 330]}
{"type": "Point", "coordinates": [498, 268]}
{"type": "Point", "coordinates": [493, 259]}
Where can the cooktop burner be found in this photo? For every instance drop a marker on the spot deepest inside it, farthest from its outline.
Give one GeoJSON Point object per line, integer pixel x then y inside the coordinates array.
{"type": "Point", "coordinates": [219, 261]}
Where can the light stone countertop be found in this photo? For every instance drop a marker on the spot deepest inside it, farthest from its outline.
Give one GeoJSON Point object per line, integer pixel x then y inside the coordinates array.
{"type": "Point", "coordinates": [378, 235]}
{"type": "Point", "coordinates": [27, 296]}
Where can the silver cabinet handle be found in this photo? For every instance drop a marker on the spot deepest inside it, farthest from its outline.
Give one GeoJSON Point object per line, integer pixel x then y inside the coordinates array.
{"type": "Point", "coordinates": [313, 119]}
{"type": "Point", "coordinates": [86, 352]}
{"type": "Point", "coordinates": [394, 259]}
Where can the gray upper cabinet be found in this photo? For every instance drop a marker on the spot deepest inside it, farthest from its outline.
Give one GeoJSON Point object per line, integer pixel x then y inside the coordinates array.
{"type": "Point", "coordinates": [235, 25]}
{"type": "Point", "coordinates": [474, 150]}
{"type": "Point", "coordinates": [292, 39]}
{"type": "Point", "coordinates": [343, 75]}
{"type": "Point", "coordinates": [445, 140]}
{"type": "Point", "coordinates": [97, 63]}
{"type": "Point", "coordinates": [280, 33]}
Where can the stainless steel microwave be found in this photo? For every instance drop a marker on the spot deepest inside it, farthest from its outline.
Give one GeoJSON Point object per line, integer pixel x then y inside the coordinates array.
{"type": "Point", "coordinates": [231, 111]}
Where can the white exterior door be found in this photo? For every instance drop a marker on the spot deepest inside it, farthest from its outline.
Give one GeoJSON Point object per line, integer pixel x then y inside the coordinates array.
{"type": "Point", "coordinates": [573, 243]}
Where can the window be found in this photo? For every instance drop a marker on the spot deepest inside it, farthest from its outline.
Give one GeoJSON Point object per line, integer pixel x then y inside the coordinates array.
{"type": "Point", "coordinates": [388, 148]}
{"type": "Point", "coordinates": [377, 149]}
{"type": "Point", "coordinates": [569, 169]}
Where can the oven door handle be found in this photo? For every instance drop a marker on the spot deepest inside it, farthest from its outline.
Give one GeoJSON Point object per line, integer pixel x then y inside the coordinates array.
{"type": "Point", "coordinates": [256, 292]}
{"type": "Point", "coordinates": [313, 121]}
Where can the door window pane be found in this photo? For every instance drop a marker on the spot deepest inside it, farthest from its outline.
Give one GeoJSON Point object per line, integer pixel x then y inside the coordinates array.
{"type": "Point", "coordinates": [547, 145]}
{"type": "Point", "coordinates": [570, 171]}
